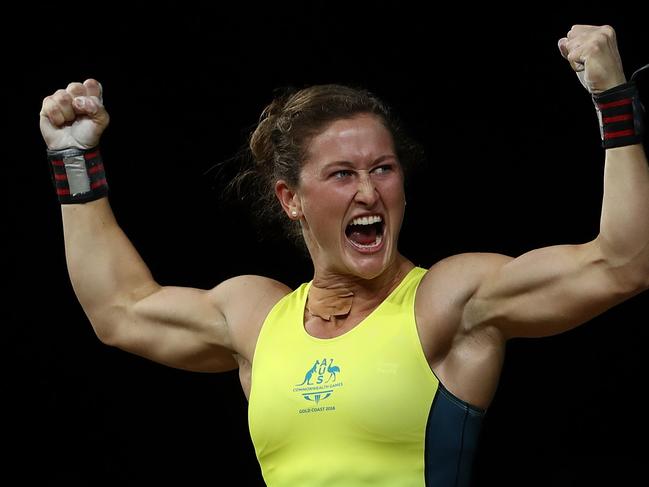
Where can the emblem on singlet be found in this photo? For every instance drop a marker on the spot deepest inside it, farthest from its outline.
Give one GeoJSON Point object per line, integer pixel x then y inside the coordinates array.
{"type": "Point", "coordinates": [319, 382]}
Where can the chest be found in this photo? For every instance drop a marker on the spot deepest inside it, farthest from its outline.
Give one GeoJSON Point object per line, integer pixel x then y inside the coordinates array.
{"type": "Point", "coordinates": [373, 380]}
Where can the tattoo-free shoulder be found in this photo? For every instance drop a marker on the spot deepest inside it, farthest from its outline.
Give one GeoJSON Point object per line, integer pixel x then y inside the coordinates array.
{"type": "Point", "coordinates": [457, 277]}
{"type": "Point", "coordinates": [244, 302]}
{"type": "Point", "coordinates": [243, 290]}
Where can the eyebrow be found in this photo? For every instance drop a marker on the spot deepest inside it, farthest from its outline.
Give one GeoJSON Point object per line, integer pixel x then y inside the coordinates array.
{"type": "Point", "coordinates": [351, 164]}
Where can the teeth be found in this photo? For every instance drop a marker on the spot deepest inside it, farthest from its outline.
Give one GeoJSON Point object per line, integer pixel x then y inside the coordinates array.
{"type": "Point", "coordinates": [367, 220]}
{"type": "Point", "coordinates": [379, 239]}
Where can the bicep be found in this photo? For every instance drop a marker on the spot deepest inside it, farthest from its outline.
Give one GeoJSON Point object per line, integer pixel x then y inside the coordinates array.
{"type": "Point", "coordinates": [546, 291]}
{"type": "Point", "coordinates": [194, 329]}
{"type": "Point", "coordinates": [176, 326]}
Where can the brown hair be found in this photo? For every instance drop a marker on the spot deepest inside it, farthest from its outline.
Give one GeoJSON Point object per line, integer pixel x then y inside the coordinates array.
{"type": "Point", "coordinates": [277, 146]}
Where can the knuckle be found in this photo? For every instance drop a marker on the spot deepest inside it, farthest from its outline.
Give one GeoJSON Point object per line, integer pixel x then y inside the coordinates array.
{"type": "Point", "coordinates": [56, 115]}
{"type": "Point", "coordinates": [74, 86]}
{"type": "Point", "coordinates": [608, 31]}
{"type": "Point", "coordinates": [62, 96]}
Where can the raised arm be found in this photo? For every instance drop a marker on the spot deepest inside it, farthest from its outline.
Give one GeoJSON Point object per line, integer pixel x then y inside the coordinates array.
{"type": "Point", "coordinates": [182, 327]}
{"type": "Point", "coordinates": [549, 290]}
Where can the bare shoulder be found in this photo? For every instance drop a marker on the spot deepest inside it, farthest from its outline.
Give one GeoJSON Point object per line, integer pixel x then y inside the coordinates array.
{"type": "Point", "coordinates": [247, 295]}
{"type": "Point", "coordinates": [450, 283]}
{"type": "Point", "coordinates": [245, 301]}
{"type": "Point", "coordinates": [461, 274]}
{"type": "Point", "coordinates": [249, 283]}
{"type": "Point", "coordinates": [445, 291]}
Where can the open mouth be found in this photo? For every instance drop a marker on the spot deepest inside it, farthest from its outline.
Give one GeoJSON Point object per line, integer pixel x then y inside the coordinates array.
{"type": "Point", "coordinates": [366, 232]}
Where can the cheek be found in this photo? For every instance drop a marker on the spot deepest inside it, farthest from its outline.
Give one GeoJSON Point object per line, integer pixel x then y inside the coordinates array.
{"type": "Point", "coordinates": [328, 200]}
{"type": "Point", "coordinates": [325, 208]}
{"type": "Point", "coordinates": [392, 192]}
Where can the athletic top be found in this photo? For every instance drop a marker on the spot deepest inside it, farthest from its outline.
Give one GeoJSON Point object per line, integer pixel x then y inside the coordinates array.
{"type": "Point", "coordinates": [360, 409]}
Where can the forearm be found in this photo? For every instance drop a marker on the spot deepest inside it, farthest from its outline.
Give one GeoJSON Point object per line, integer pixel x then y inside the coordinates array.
{"type": "Point", "coordinates": [106, 271]}
{"type": "Point", "coordinates": [624, 225]}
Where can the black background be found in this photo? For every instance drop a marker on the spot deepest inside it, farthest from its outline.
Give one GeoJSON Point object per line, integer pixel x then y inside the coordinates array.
{"type": "Point", "coordinates": [513, 163]}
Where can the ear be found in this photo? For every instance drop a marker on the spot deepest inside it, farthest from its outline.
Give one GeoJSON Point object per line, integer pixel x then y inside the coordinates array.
{"type": "Point", "coordinates": [288, 199]}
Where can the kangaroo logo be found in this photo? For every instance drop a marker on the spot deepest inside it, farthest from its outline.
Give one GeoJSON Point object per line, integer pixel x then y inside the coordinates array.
{"type": "Point", "coordinates": [320, 381]}
{"type": "Point", "coordinates": [309, 374]}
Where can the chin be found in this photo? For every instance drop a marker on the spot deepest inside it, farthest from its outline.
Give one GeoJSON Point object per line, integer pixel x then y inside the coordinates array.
{"type": "Point", "coordinates": [369, 265]}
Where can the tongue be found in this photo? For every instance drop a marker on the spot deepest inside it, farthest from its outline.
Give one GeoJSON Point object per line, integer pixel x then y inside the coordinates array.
{"type": "Point", "coordinates": [363, 234]}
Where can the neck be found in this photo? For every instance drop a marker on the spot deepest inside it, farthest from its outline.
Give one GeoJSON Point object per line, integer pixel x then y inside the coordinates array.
{"type": "Point", "coordinates": [328, 302]}
{"type": "Point", "coordinates": [332, 295]}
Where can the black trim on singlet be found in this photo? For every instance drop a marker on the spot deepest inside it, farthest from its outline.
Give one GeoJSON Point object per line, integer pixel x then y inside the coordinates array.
{"type": "Point", "coordinates": [452, 434]}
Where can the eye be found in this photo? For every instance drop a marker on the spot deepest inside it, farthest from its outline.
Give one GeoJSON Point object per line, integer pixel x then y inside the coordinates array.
{"type": "Point", "coordinates": [383, 169]}
{"type": "Point", "coordinates": [341, 174]}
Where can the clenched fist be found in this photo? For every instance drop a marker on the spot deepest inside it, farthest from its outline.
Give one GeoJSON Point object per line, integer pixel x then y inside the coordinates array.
{"type": "Point", "coordinates": [74, 117]}
{"type": "Point", "coordinates": [592, 52]}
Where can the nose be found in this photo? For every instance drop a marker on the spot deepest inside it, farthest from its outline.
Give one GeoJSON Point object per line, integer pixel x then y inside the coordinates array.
{"type": "Point", "coordinates": [366, 192]}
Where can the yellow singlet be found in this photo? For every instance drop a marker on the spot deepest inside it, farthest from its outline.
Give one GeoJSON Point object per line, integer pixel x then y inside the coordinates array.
{"type": "Point", "coordinates": [348, 411]}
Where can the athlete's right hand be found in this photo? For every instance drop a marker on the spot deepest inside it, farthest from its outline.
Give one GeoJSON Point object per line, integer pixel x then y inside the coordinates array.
{"type": "Point", "coordinates": [74, 117]}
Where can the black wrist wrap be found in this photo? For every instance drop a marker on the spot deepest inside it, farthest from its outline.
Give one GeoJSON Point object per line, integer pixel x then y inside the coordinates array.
{"type": "Point", "coordinates": [621, 116]}
{"type": "Point", "coordinates": [78, 174]}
